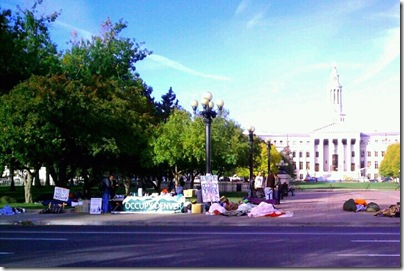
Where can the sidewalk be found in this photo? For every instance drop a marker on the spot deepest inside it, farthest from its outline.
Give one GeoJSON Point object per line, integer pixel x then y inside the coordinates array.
{"type": "Point", "coordinates": [310, 208]}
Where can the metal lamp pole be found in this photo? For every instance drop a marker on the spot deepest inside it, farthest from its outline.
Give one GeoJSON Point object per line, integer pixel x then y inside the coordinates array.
{"type": "Point", "coordinates": [269, 154]}
{"type": "Point", "coordinates": [251, 140]}
{"type": "Point", "coordinates": [208, 114]}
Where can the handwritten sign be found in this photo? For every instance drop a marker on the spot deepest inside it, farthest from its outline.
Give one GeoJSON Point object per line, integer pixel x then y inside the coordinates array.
{"type": "Point", "coordinates": [210, 188]}
{"type": "Point", "coordinates": [61, 193]}
{"type": "Point", "coordinates": [95, 205]}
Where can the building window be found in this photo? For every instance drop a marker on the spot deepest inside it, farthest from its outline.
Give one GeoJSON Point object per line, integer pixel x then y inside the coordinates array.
{"type": "Point", "coordinates": [294, 154]}
{"type": "Point", "coordinates": [353, 154]}
{"type": "Point", "coordinates": [352, 166]}
{"type": "Point", "coordinates": [369, 163]}
{"type": "Point", "coordinates": [376, 153]}
{"type": "Point", "coordinates": [307, 154]}
{"type": "Point", "coordinates": [301, 176]}
{"type": "Point", "coordinates": [376, 164]}
{"type": "Point", "coordinates": [382, 153]}
{"type": "Point", "coordinates": [369, 153]}
{"type": "Point", "coordinates": [300, 165]}
{"type": "Point", "coordinates": [300, 154]}
{"type": "Point", "coordinates": [317, 154]}
{"type": "Point", "coordinates": [317, 167]}
{"type": "Point", "coordinates": [307, 165]}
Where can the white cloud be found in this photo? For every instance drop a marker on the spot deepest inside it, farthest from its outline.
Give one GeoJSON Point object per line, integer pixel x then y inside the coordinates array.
{"type": "Point", "coordinates": [390, 52]}
{"type": "Point", "coordinates": [241, 7]}
{"type": "Point", "coordinates": [255, 20]}
{"type": "Point", "coordinates": [82, 32]}
{"type": "Point", "coordinates": [180, 67]}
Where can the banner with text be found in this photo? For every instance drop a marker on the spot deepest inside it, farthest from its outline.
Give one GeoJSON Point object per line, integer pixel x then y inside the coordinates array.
{"type": "Point", "coordinates": [153, 204]}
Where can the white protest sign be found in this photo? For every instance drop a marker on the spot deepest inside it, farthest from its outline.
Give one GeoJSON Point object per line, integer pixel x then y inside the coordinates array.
{"type": "Point", "coordinates": [210, 188]}
{"type": "Point", "coordinates": [95, 205]}
{"type": "Point", "coordinates": [61, 193]}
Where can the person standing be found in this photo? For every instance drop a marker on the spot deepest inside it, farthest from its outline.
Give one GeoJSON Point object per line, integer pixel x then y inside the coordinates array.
{"type": "Point", "coordinates": [270, 186]}
{"type": "Point", "coordinates": [106, 186]}
{"type": "Point", "coordinates": [279, 190]}
{"type": "Point", "coordinates": [259, 185]}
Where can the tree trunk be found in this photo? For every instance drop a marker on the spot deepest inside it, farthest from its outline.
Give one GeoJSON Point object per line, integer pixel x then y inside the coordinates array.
{"type": "Point", "coordinates": [27, 177]}
{"type": "Point", "coordinates": [37, 181]}
{"type": "Point", "coordinates": [126, 183]}
{"type": "Point", "coordinates": [11, 178]}
{"type": "Point", "coordinates": [47, 180]}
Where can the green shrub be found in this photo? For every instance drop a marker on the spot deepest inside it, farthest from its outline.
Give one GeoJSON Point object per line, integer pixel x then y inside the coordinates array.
{"type": "Point", "coordinates": [7, 200]}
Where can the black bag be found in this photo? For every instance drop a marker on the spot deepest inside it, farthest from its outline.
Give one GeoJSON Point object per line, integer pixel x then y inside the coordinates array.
{"type": "Point", "coordinates": [349, 205]}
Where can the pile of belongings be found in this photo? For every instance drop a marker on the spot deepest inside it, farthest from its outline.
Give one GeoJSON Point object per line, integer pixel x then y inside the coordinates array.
{"type": "Point", "coordinates": [392, 211]}
{"type": "Point", "coordinates": [7, 210]}
{"type": "Point", "coordinates": [54, 209]}
{"type": "Point", "coordinates": [229, 208]}
{"type": "Point", "coordinates": [357, 205]}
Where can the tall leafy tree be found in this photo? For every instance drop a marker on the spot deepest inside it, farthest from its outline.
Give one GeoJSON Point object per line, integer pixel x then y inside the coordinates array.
{"type": "Point", "coordinates": [168, 104]}
{"type": "Point", "coordinates": [390, 165]}
{"type": "Point", "coordinates": [106, 66]}
{"type": "Point", "coordinates": [229, 146]}
{"type": "Point", "coordinates": [26, 47]}
{"type": "Point", "coordinates": [170, 145]}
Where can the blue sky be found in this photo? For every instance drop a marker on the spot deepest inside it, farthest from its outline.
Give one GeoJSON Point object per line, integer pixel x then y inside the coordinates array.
{"type": "Point", "coordinates": [270, 61]}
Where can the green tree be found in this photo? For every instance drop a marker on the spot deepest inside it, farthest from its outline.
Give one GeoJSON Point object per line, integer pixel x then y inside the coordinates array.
{"type": "Point", "coordinates": [26, 47]}
{"type": "Point", "coordinates": [171, 145]}
{"type": "Point", "coordinates": [95, 115]}
{"type": "Point", "coordinates": [168, 104]}
{"type": "Point", "coordinates": [262, 158]}
{"type": "Point", "coordinates": [230, 146]}
{"type": "Point", "coordinates": [390, 165]}
{"type": "Point", "coordinates": [106, 66]}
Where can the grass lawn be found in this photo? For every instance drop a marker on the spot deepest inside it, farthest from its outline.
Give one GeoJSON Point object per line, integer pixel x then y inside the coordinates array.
{"type": "Point", "coordinates": [18, 194]}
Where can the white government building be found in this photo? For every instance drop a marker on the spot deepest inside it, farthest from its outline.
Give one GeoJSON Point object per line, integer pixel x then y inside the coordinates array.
{"type": "Point", "coordinates": [336, 151]}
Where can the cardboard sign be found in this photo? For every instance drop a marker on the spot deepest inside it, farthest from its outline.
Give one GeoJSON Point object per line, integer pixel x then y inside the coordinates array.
{"type": "Point", "coordinates": [210, 188]}
{"type": "Point", "coordinates": [95, 205]}
{"type": "Point", "coordinates": [61, 193]}
{"type": "Point", "coordinates": [150, 204]}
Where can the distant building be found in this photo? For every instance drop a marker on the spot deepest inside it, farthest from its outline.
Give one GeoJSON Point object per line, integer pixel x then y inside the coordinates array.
{"type": "Point", "coordinates": [336, 151]}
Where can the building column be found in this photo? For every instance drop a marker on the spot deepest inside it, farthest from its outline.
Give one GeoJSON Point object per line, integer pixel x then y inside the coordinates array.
{"type": "Point", "coordinates": [313, 158]}
{"type": "Point", "coordinates": [332, 150]}
{"type": "Point", "coordinates": [321, 155]}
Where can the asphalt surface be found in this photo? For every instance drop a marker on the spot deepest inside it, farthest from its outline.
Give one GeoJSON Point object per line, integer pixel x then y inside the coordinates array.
{"type": "Point", "coordinates": [308, 208]}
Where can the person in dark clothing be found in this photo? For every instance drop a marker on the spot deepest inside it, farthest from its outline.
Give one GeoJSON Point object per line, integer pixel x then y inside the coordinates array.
{"type": "Point", "coordinates": [270, 186]}
{"type": "Point", "coordinates": [279, 192]}
{"type": "Point", "coordinates": [106, 187]}
{"type": "Point", "coordinates": [114, 187]}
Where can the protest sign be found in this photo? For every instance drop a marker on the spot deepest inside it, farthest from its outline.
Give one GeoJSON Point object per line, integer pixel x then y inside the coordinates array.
{"type": "Point", "coordinates": [210, 188]}
{"type": "Point", "coordinates": [61, 193]}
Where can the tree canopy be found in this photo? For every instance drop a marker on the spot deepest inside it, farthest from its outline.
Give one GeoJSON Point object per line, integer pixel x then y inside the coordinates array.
{"type": "Point", "coordinates": [390, 165]}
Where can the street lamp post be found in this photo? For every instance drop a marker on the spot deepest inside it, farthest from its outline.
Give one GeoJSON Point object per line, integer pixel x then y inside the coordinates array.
{"type": "Point", "coordinates": [251, 140]}
{"type": "Point", "coordinates": [208, 114]}
{"type": "Point", "coordinates": [281, 174]}
{"type": "Point", "coordinates": [282, 166]}
{"type": "Point", "coordinates": [269, 154]}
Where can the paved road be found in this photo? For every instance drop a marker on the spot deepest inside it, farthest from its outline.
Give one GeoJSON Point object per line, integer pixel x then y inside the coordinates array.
{"type": "Point", "coordinates": [194, 246]}
{"type": "Point", "coordinates": [309, 208]}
